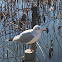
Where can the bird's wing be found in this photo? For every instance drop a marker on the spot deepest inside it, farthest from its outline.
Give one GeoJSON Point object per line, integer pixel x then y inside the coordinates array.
{"type": "Point", "coordinates": [24, 38]}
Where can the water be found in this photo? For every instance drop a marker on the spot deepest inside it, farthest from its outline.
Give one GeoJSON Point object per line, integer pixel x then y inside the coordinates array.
{"type": "Point", "coordinates": [52, 21]}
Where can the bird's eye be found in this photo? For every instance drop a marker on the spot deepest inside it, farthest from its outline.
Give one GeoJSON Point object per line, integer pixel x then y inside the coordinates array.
{"type": "Point", "coordinates": [35, 29]}
{"type": "Point", "coordinates": [38, 28]}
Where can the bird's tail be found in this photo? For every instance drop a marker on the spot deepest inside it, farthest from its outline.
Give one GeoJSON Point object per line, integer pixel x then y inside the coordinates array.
{"type": "Point", "coordinates": [9, 39]}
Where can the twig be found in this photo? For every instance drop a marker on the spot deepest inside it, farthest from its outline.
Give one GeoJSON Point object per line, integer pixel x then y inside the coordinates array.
{"type": "Point", "coordinates": [41, 51]}
{"type": "Point", "coordinates": [13, 55]}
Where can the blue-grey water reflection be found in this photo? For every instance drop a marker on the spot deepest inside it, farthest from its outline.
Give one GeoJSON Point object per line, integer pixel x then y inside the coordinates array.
{"type": "Point", "coordinates": [53, 22]}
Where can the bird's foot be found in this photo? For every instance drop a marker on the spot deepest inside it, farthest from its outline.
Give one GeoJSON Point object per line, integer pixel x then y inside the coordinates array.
{"type": "Point", "coordinates": [31, 50]}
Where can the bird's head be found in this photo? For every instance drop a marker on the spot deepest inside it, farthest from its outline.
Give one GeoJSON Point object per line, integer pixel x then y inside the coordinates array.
{"type": "Point", "coordinates": [38, 29]}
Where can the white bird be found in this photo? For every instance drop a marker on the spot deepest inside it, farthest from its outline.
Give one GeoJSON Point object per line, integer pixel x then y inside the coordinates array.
{"type": "Point", "coordinates": [29, 36]}
{"type": "Point", "coordinates": [51, 9]}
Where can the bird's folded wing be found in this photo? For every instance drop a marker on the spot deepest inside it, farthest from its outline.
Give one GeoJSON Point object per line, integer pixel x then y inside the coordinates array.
{"type": "Point", "coordinates": [24, 38]}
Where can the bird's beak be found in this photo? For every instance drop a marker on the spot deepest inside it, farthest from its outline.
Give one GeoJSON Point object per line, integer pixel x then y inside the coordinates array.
{"type": "Point", "coordinates": [43, 29]}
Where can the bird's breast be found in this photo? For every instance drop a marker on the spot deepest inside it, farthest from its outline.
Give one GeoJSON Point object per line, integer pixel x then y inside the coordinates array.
{"type": "Point", "coordinates": [36, 37]}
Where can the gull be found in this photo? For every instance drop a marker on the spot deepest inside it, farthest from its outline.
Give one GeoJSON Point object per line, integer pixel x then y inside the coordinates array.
{"type": "Point", "coordinates": [29, 36]}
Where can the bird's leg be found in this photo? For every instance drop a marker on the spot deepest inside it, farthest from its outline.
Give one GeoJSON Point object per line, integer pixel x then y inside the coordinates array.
{"type": "Point", "coordinates": [30, 48]}
{"type": "Point", "coordinates": [30, 45]}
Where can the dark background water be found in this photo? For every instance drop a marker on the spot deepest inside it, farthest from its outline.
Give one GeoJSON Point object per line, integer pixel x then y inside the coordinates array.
{"type": "Point", "coordinates": [53, 19]}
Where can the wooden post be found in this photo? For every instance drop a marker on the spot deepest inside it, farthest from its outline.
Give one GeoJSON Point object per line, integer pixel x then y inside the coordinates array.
{"type": "Point", "coordinates": [31, 56]}
{"type": "Point", "coordinates": [35, 21]}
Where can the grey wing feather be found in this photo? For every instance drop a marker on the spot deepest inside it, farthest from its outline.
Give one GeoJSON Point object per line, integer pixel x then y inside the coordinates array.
{"type": "Point", "coordinates": [24, 38]}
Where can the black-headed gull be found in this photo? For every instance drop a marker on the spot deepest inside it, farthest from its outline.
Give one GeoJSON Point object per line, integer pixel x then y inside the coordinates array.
{"type": "Point", "coordinates": [29, 36]}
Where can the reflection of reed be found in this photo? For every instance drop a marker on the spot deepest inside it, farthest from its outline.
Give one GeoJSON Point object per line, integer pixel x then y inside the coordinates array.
{"type": "Point", "coordinates": [10, 10]}
{"type": "Point", "coordinates": [41, 51]}
{"type": "Point", "coordinates": [13, 55]}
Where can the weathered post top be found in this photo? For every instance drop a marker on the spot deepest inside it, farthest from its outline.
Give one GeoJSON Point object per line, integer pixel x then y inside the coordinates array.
{"type": "Point", "coordinates": [29, 56]}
